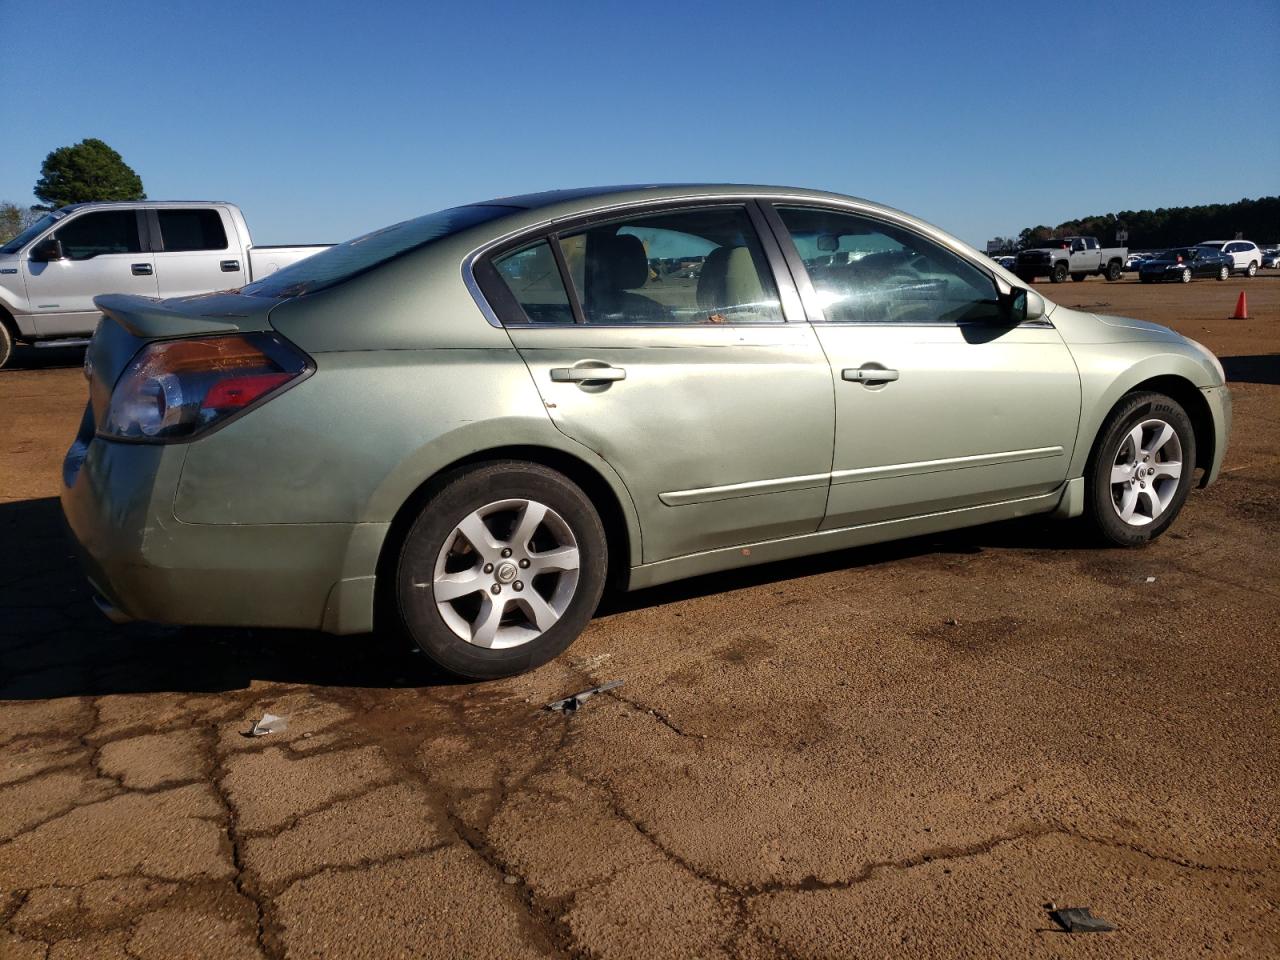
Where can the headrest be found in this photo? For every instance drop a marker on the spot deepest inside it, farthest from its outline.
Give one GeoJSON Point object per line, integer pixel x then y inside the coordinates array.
{"type": "Point", "coordinates": [616, 262]}
{"type": "Point", "coordinates": [729, 279]}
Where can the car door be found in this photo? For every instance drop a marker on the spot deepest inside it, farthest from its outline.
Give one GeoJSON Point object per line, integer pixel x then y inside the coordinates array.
{"type": "Point", "coordinates": [195, 251]}
{"type": "Point", "coordinates": [102, 253]}
{"type": "Point", "coordinates": [939, 404]}
{"type": "Point", "coordinates": [658, 340]}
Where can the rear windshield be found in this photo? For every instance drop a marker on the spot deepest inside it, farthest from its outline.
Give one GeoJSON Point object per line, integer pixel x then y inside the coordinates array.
{"type": "Point", "coordinates": [345, 260]}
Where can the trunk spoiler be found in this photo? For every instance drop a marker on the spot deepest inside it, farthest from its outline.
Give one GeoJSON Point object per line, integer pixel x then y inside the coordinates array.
{"type": "Point", "coordinates": [149, 319]}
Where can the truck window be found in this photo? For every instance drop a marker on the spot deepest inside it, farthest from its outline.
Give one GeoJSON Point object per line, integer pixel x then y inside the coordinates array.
{"type": "Point", "coordinates": [192, 230]}
{"type": "Point", "coordinates": [110, 231]}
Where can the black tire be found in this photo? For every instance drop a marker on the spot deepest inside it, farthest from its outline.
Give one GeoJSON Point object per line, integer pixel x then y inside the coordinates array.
{"type": "Point", "coordinates": [6, 343]}
{"type": "Point", "coordinates": [1253, 269]}
{"type": "Point", "coordinates": [1059, 273]}
{"type": "Point", "coordinates": [460, 495]}
{"type": "Point", "coordinates": [1078, 277]}
{"type": "Point", "coordinates": [1100, 506]}
{"type": "Point", "coordinates": [1224, 273]}
{"type": "Point", "coordinates": [1114, 269]}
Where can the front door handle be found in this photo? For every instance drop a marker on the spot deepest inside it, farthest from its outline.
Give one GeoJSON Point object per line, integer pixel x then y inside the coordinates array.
{"type": "Point", "coordinates": [141, 269]}
{"type": "Point", "coordinates": [230, 266]}
{"type": "Point", "coordinates": [587, 374]}
{"type": "Point", "coordinates": [868, 374]}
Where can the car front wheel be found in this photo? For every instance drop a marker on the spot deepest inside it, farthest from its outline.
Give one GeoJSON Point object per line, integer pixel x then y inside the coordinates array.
{"type": "Point", "coordinates": [1059, 273]}
{"type": "Point", "coordinates": [6, 344]}
{"type": "Point", "coordinates": [501, 570]}
{"type": "Point", "coordinates": [1186, 275]}
{"type": "Point", "coordinates": [1141, 469]}
{"type": "Point", "coordinates": [1224, 273]}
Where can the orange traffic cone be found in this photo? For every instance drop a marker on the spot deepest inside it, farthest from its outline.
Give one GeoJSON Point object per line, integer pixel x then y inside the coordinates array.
{"type": "Point", "coordinates": [1242, 308]}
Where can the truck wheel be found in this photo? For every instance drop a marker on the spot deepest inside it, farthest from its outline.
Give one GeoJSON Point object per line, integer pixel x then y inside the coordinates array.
{"type": "Point", "coordinates": [1253, 269]}
{"type": "Point", "coordinates": [1059, 273]}
{"type": "Point", "coordinates": [1114, 270]}
{"type": "Point", "coordinates": [1078, 277]}
{"type": "Point", "coordinates": [1224, 273]}
{"type": "Point", "coordinates": [502, 569]}
{"type": "Point", "coordinates": [6, 343]}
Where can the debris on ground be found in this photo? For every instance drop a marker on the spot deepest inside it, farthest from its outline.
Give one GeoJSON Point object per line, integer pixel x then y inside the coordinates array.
{"type": "Point", "coordinates": [1151, 579]}
{"type": "Point", "coordinates": [586, 664]}
{"type": "Point", "coordinates": [269, 723]}
{"type": "Point", "coordinates": [1079, 920]}
{"type": "Point", "coordinates": [572, 703]}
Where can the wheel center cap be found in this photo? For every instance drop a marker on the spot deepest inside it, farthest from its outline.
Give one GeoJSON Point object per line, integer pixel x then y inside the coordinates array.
{"type": "Point", "coordinates": [506, 572]}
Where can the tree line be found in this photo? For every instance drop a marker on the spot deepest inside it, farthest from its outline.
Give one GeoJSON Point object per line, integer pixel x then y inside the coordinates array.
{"type": "Point", "coordinates": [1257, 220]}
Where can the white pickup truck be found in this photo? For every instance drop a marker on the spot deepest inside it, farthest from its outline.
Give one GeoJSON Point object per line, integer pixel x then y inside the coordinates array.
{"type": "Point", "coordinates": [1075, 257]}
{"type": "Point", "coordinates": [50, 273]}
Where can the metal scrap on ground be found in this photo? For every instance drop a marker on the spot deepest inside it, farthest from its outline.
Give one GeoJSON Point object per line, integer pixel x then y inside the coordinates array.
{"type": "Point", "coordinates": [572, 703]}
{"type": "Point", "coordinates": [1079, 920]}
{"type": "Point", "coordinates": [269, 723]}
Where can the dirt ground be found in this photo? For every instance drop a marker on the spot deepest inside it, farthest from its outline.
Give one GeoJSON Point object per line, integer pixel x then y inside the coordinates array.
{"type": "Point", "coordinates": [906, 750]}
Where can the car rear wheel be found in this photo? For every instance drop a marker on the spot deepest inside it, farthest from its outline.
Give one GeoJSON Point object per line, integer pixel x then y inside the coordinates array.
{"type": "Point", "coordinates": [1253, 269]}
{"type": "Point", "coordinates": [1141, 469]}
{"type": "Point", "coordinates": [1059, 273]}
{"type": "Point", "coordinates": [1186, 274]}
{"type": "Point", "coordinates": [1224, 273]}
{"type": "Point", "coordinates": [502, 569]}
{"type": "Point", "coordinates": [1114, 270]}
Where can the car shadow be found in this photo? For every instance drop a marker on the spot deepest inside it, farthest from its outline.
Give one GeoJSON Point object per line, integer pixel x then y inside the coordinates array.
{"type": "Point", "coordinates": [1262, 368]}
{"type": "Point", "coordinates": [55, 643]}
{"type": "Point", "coordinates": [45, 358]}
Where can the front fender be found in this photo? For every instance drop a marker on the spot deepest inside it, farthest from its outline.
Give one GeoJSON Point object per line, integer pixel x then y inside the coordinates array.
{"type": "Point", "coordinates": [1111, 370]}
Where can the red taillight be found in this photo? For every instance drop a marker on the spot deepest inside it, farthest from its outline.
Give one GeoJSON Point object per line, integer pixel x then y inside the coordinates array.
{"type": "Point", "coordinates": [175, 389]}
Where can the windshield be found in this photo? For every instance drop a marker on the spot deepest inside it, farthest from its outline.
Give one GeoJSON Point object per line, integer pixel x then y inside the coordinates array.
{"type": "Point", "coordinates": [346, 260]}
{"type": "Point", "coordinates": [1172, 254]}
{"type": "Point", "coordinates": [33, 231]}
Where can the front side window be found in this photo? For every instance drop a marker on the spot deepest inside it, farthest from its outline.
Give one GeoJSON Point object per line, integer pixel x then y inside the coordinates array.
{"type": "Point", "coordinates": [868, 271]}
{"type": "Point", "coordinates": [684, 266]}
{"type": "Point", "coordinates": [184, 230]}
{"type": "Point", "coordinates": [95, 234]}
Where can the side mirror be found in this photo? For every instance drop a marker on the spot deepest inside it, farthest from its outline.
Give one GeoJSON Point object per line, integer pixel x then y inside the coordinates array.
{"type": "Point", "coordinates": [1020, 305]}
{"type": "Point", "coordinates": [47, 250]}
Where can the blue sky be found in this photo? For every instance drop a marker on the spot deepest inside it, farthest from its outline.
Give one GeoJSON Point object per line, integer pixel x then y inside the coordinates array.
{"type": "Point", "coordinates": [324, 120]}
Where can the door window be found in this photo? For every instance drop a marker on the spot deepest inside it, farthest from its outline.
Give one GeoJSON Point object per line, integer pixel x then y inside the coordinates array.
{"type": "Point", "coordinates": [685, 266]}
{"type": "Point", "coordinates": [184, 230]}
{"type": "Point", "coordinates": [110, 231]}
{"type": "Point", "coordinates": [867, 271]}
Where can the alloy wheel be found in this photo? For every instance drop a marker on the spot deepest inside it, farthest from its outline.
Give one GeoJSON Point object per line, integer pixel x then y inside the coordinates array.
{"type": "Point", "coordinates": [1145, 472]}
{"type": "Point", "coordinates": [1223, 273]}
{"type": "Point", "coordinates": [506, 574]}
{"type": "Point", "coordinates": [1186, 275]}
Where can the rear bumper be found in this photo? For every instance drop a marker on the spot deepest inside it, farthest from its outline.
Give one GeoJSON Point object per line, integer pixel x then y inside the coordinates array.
{"type": "Point", "coordinates": [1219, 401]}
{"type": "Point", "coordinates": [147, 565]}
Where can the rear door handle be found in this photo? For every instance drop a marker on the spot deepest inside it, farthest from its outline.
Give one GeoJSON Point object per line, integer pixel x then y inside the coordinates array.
{"type": "Point", "coordinates": [867, 374]}
{"type": "Point", "coordinates": [587, 374]}
{"type": "Point", "coordinates": [230, 266]}
{"type": "Point", "coordinates": [141, 269]}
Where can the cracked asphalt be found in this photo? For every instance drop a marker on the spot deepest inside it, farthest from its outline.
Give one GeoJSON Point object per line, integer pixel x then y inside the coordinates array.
{"type": "Point", "coordinates": [907, 750]}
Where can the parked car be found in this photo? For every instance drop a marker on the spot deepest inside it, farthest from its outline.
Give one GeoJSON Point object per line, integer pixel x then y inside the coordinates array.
{"type": "Point", "coordinates": [1135, 260]}
{"type": "Point", "coordinates": [470, 421]}
{"type": "Point", "coordinates": [1076, 257]}
{"type": "Point", "coordinates": [50, 273]}
{"type": "Point", "coordinates": [1271, 258]}
{"type": "Point", "coordinates": [1245, 254]}
{"type": "Point", "coordinates": [1008, 261]}
{"type": "Point", "coordinates": [1182, 264]}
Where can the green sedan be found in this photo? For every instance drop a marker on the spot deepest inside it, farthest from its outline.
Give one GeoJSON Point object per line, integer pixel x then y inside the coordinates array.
{"type": "Point", "coordinates": [469, 424]}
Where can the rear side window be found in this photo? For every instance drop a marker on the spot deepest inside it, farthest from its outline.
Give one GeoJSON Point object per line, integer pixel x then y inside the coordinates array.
{"type": "Point", "coordinates": [183, 230]}
{"type": "Point", "coordinates": [95, 234]}
{"type": "Point", "coordinates": [533, 278]}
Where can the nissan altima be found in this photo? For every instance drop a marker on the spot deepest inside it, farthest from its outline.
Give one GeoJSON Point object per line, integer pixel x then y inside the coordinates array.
{"type": "Point", "coordinates": [466, 425]}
